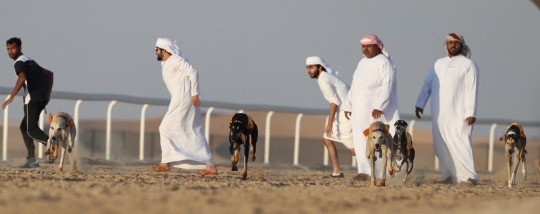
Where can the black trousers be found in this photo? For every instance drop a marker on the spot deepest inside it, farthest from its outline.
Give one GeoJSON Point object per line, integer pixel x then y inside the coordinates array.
{"type": "Point", "coordinates": [30, 129]}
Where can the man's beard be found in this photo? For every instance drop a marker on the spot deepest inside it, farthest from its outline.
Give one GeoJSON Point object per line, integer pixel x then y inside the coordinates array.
{"type": "Point", "coordinates": [159, 58]}
{"type": "Point", "coordinates": [315, 75]}
{"type": "Point", "coordinates": [456, 52]}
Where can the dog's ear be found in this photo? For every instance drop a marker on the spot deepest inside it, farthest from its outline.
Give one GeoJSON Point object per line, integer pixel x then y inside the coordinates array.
{"type": "Point", "coordinates": [522, 134]}
{"type": "Point", "coordinates": [503, 137]}
{"type": "Point", "coordinates": [387, 132]}
{"type": "Point", "coordinates": [366, 132]}
{"type": "Point", "coordinates": [70, 123]}
{"type": "Point", "coordinates": [50, 118]}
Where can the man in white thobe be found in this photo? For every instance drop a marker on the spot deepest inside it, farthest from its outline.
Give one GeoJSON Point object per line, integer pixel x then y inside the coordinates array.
{"type": "Point", "coordinates": [453, 86]}
{"type": "Point", "coordinates": [334, 90]}
{"type": "Point", "coordinates": [183, 144]}
{"type": "Point", "coordinates": [372, 97]}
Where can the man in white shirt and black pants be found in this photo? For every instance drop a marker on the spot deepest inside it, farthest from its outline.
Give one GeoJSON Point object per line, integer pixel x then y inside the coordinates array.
{"type": "Point", "coordinates": [37, 83]}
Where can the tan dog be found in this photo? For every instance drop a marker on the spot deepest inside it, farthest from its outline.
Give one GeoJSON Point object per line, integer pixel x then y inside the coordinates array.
{"type": "Point", "coordinates": [515, 142]}
{"type": "Point", "coordinates": [379, 140]}
{"type": "Point", "coordinates": [62, 130]}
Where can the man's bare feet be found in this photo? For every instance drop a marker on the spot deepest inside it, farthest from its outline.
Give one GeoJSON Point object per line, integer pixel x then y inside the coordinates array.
{"type": "Point", "coordinates": [211, 169]}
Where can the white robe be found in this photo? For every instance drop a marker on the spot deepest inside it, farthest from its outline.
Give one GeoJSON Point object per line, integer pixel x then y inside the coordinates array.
{"type": "Point", "coordinates": [335, 91]}
{"type": "Point", "coordinates": [374, 87]}
{"type": "Point", "coordinates": [453, 86]}
{"type": "Point", "coordinates": [183, 143]}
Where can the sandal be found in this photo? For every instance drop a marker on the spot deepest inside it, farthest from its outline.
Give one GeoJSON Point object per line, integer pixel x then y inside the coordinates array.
{"type": "Point", "coordinates": [207, 173]}
{"type": "Point", "coordinates": [158, 168]}
{"type": "Point", "coordinates": [340, 175]}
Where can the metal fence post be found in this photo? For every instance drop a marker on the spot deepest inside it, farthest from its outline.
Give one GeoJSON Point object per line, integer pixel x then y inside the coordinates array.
{"type": "Point", "coordinates": [267, 138]}
{"type": "Point", "coordinates": [5, 133]}
{"type": "Point", "coordinates": [141, 134]}
{"type": "Point", "coordinates": [297, 139]}
{"type": "Point", "coordinates": [436, 163]}
{"type": "Point", "coordinates": [41, 125]}
{"type": "Point", "coordinates": [76, 121]}
{"type": "Point", "coordinates": [490, 149]}
{"type": "Point", "coordinates": [207, 124]}
{"type": "Point", "coordinates": [108, 134]}
{"type": "Point", "coordinates": [411, 128]}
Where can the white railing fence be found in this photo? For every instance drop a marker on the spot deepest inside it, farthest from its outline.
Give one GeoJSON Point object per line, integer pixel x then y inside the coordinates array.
{"type": "Point", "coordinates": [211, 106]}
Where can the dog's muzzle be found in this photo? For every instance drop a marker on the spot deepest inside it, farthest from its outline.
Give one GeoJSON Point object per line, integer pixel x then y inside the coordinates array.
{"type": "Point", "coordinates": [377, 147]}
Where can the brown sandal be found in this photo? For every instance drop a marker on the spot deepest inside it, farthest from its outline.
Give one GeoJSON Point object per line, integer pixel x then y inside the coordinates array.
{"type": "Point", "coordinates": [207, 173]}
{"type": "Point", "coordinates": [158, 168]}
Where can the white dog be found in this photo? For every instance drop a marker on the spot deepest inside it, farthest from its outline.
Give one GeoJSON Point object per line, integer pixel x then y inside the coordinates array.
{"type": "Point", "coordinates": [62, 134]}
{"type": "Point", "coordinates": [379, 140]}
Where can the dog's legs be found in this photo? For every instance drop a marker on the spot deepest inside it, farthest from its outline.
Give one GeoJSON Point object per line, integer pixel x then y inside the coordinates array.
{"type": "Point", "coordinates": [524, 168]}
{"type": "Point", "coordinates": [508, 158]}
{"type": "Point", "coordinates": [62, 155]}
{"type": "Point", "coordinates": [48, 151]}
{"type": "Point", "coordinates": [410, 164]}
{"type": "Point", "coordinates": [246, 155]}
{"type": "Point", "coordinates": [384, 151]}
{"type": "Point", "coordinates": [252, 148]}
{"type": "Point", "coordinates": [70, 137]}
{"type": "Point", "coordinates": [372, 161]}
{"type": "Point", "coordinates": [389, 158]}
{"type": "Point", "coordinates": [254, 137]}
{"type": "Point", "coordinates": [233, 162]}
{"type": "Point", "coordinates": [515, 165]}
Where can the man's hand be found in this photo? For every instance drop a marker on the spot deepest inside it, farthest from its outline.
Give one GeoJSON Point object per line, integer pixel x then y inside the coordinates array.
{"type": "Point", "coordinates": [418, 112]}
{"type": "Point", "coordinates": [376, 113]}
{"type": "Point", "coordinates": [347, 114]}
{"type": "Point", "coordinates": [195, 100]}
{"type": "Point", "coordinates": [329, 129]}
{"type": "Point", "coordinates": [6, 103]}
{"type": "Point", "coordinates": [470, 120]}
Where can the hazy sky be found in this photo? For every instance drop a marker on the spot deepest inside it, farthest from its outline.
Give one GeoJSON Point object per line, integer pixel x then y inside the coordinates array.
{"type": "Point", "coordinates": [253, 52]}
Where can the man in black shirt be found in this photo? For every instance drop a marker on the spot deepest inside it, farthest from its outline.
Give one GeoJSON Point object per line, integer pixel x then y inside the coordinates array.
{"type": "Point", "coordinates": [37, 83]}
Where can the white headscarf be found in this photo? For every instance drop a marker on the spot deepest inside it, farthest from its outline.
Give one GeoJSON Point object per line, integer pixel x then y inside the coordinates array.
{"type": "Point", "coordinates": [316, 60]}
{"type": "Point", "coordinates": [168, 45]}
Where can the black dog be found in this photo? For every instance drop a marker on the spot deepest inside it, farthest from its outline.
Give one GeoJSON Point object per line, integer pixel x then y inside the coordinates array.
{"type": "Point", "coordinates": [243, 130]}
{"type": "Point", "coordinates": [403, 149]}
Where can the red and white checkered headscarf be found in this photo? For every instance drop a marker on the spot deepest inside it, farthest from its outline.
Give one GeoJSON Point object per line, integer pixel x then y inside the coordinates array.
{"type": "Point", "coordinates": [372, 39]}
{"type": "Point", "coordinates": [465, 50]}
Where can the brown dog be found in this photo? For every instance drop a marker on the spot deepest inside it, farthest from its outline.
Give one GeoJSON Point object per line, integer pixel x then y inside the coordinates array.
{"type": "Point", "coordinates": [515, 142]}
{"type": "Point", "coordinates": [379, 140]}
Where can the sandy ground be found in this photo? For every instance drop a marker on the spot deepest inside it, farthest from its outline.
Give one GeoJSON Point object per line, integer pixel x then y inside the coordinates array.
{"type": "Point", "coordinates": [131, 188]}
{"type": "Point", "coordinates": [124, 184]}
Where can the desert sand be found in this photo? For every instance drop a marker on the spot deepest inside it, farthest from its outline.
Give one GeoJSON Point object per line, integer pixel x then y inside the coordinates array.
{"type": "Point", "coordinates": [125, 185]}
{"type": "Point", "coordinates": [116, 188]}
